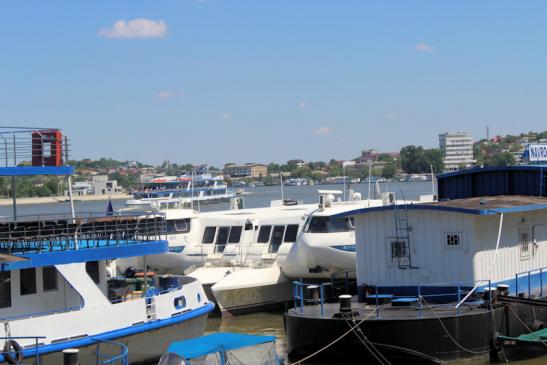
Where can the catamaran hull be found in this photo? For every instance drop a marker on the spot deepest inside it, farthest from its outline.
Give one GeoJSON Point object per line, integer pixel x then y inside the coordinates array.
{"type": "Point", "coordinates": [144, 347]}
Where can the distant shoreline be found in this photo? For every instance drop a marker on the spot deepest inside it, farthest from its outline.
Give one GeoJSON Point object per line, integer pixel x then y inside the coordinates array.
{"type": "Point", "coordinates": [62, 199]}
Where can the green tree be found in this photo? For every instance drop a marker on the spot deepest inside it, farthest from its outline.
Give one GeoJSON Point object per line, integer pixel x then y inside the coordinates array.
{"type": "Point", "coordinates": [389, 170]}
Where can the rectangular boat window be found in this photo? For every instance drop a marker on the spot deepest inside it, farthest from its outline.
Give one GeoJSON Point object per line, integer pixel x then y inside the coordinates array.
{"type": "Point", "coordinates": [264, 234]}
{"type": "Point", "coordinates": [318, 225]}
{"type": "Point", "coordinates": [209, 235]}
{"type": "Point", "coordinates": [235, 234]}
{"type": "Point", "coordinates": [277, 238]}
{"type": "Point", "coordinates": [5, 289]}
{"type": "Point", "coordinates": [291, 233]}
{"type": "Point", "coordinates": [329, 225]}
{"type": "Point", "coordinates": [27, 281]}
{"type": "Point", "coordinates": [92, 268]}
{"type": "Point", "coordinates": [222, 236]}
{"type": "Point", "coordinates": [453, 240]}
{"type": "Point", "coordinates": [49, 275]}
{"type": "Point", "coordinates": [178, 226]}
{"type": "Point", "coordinates": [399, 252]}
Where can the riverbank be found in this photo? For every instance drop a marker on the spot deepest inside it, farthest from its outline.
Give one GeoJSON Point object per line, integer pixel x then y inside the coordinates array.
{"type": "Point", "coordinates": [58, 199]}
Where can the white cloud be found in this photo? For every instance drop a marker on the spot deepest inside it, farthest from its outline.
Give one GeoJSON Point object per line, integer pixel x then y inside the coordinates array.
{"type": "Point", "coordinates": [136, 28]}
{"type": "Point", "coordinates": [227, 116]}
{"type": "Point", "coordinates": [323, 131]}
{"type": "Point", "coordinates": [166, 94]}
{"type": "Point", "coordinates": [302, 104]}
{"type": "Point", "coordinates": [422, 47]}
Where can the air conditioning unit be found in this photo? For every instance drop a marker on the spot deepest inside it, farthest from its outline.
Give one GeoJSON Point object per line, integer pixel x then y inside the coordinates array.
{"type": "Point", "coordinates": [388, 198]}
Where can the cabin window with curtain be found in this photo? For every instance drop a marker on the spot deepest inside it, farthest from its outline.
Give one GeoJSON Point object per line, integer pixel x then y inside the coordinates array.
{"type": "Point", "coordinates": [264, 234]}
{"type": "Point", "coordinates": [453, 239]}
{"type": "Point", "coordinates": [209, 235]}
{"type": "Point", "coordinates": [49, 276]}
{"type": "Point", "coordinates": [525, 246]}
{"type": "Point", "coordinates": [399, 252]}
{"type": "Point", "coordinates": [5, 289]}
{"type": "Point", "coordinates": [290, 233]}
{"type": "Point", "coordinates": [27, 281]}
{"type": "Point", "coordinates": [277, 238]}
{"type": "Point", "coordinates": [178, 226]}
{"type": "Point", "coordinates": [235, 234]}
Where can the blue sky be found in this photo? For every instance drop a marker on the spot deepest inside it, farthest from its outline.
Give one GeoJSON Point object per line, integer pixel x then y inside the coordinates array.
{"type": "Point", "coordinates": [226, 80]}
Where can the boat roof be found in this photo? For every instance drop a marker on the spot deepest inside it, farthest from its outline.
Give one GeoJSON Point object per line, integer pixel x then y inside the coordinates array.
{"type": "Point", "coordinates": [222, 341]}
{"type": "Point", "coordinates": [487, 205]}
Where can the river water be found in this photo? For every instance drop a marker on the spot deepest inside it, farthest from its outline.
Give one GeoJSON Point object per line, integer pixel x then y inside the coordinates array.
{"type": "Point", "coordinates": [270, 323]}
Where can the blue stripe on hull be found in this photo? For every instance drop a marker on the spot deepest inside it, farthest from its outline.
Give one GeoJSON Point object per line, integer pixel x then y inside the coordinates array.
{"type": "Point", "coordinates": [120, 333]}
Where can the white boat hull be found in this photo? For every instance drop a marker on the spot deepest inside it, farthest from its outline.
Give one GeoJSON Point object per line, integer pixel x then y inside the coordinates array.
{"type": "Point", "coordinates": [249, 290]}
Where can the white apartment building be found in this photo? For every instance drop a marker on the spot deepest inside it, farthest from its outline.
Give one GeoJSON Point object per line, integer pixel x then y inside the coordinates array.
{"type": "Point", "coordinates": [457, 149]}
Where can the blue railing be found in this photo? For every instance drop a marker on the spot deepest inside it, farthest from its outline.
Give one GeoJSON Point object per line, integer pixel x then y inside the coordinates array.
{"type": "Point", "coordinates": [531, 280]}
{"type": "Point", "coordinates": [106, 358]}
{"type": "Point", "coordinates": [437, 293]}
{"type": "Point", "coordinates": [60, 233]}
{"type": "Point", "coordinates": [300, 299]}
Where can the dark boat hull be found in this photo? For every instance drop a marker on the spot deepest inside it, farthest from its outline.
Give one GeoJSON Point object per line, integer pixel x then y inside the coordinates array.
{"type": "Point", "coordinates": [408, 340]}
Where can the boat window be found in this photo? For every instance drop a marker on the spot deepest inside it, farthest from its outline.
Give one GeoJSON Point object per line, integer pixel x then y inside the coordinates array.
{"type": "Point", "coordinates": [5, 289]}
{"type": "Point", "coordinates": [209, 235]}
{"type": "Point", "coordinates": [235, 234]}
{"type": "Point", "coordinates": [291, 233]}
{"type": "Point", "coordinates": [400, 254]}
{"type": "Point", "coordinates": [27, 281]}
{"type": "Point", "coordinates": [329, 225]}
{"type": "Point", "coordinates": [264, 234]}
{"type": "Point", "coordinates": [178, 226]}
{"type": "Point", "coordinates": [49, 275]}
{"type": "Point", "coordinates": [92, 268]}
{"type": "Point", "coordinates": [453, 240]}
{"type": "Point", "coordinates": [352, 223]}
{"type": "Point", "coordinates": [222, 236]}
{"type": "Point", "coordinates": [277, 238]}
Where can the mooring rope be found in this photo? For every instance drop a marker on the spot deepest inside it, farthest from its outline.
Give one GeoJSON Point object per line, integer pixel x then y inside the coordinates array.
{"type": "Point", "coordinates": [336, 340]}
{"type": "Point", "coordinates": [528, 328]}
{"type": "Point", "coordinates": [428, 306]}
{"type": "Point", "coordinates": [367, 343]}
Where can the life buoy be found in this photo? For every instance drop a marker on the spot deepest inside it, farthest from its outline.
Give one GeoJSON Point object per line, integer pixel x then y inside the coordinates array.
{"type": "Point", "coordinates": [13, 353]}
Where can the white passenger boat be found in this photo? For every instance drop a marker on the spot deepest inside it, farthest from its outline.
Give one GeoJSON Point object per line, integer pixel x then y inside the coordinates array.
{"type": "Point", "coordinates": [55, 291]}
{"type": "Point", "coordinates": [187, 189]}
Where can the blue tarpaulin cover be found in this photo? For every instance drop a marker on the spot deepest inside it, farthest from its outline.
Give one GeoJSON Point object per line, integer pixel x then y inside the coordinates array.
{"type": "Point", "coordinates": [215, 342]}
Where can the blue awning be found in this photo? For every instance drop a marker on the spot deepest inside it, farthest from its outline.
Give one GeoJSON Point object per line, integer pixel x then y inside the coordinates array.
{"type": "Point", "coordinates": [216, 342]}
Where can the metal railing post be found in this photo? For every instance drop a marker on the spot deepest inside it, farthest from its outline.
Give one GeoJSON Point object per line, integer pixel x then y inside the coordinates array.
{"type": "Point", "coordinates": [420, 308]}
{"type": "Point", "coordinates": [459, 295]}
{"type": "Point", "coordinates": [541, 283]}
{"type": "Point", "coordinates": [517, 285]}
{"type": "Point", "coordinates": [321, 292]}
{"type": "Point", "coordinates": [529, 285]}
{"type": "Point", "coordinates": [377, 302]}
{"type": "Point", "coordinates": [301, 290]}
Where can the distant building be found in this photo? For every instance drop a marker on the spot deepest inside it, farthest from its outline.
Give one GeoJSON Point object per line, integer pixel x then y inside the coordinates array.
{"type": "Point", "coordinates": [102, 186]}
{"type": "Point", "coordinates": [253, 170]}
{"type": "Point", "coordinates": [81, 188]}
{"type": "Point", "coordinates": [297, 163]}
{"type": "Point", "coordinates": [457, 149]}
